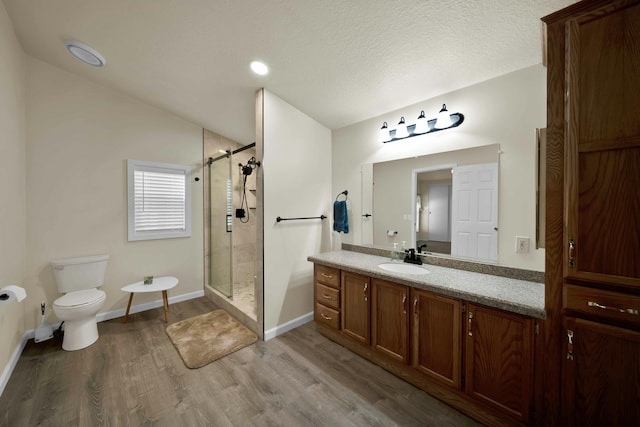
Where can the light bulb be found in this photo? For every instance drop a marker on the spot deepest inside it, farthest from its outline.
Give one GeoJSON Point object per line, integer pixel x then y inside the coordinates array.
{"type": "Point", "coordinates": [444, 120]}
{"type": "Point", "coordinates": [259, 68]}
{"type": "Point", "coordinates": [422, 124]}
{"type": "Point", "coordinates": [384, 133]}
{"type": "Point", "coordinates": [401, 130]}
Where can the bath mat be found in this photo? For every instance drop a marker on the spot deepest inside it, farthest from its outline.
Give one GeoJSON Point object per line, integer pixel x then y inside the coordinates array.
{"type": "Point", "coordinates": [202, 339]}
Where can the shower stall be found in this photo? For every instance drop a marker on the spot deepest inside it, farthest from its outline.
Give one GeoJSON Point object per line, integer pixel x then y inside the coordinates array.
{"type": "Point", "coordinates": [230, 222]}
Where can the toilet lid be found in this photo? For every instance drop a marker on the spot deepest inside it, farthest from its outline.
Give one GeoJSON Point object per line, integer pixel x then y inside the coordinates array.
{"type": "Point", "coordinates": [77, 298]}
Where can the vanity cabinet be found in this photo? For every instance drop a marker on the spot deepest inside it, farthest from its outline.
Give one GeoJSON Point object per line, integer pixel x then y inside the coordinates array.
{"type": "Point", "coordinates": [475, 358]}
{"type": "Point", "coordinates": [436, 336]}
{"type": "Point", "coordinates": [593, 206]}
{"type": "Point", "coordinates": [390, 319]}
{"type": "Point", "coordinates": [356, 307]}
{"type": "Point", "coordinates": [498, 360]}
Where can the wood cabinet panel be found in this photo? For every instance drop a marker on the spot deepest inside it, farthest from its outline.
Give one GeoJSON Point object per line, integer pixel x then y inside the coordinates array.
{"type": "Point", "coordinates": [436, 336]}
{"type": "Point", "coordinates": [390, 319]}
{"type": "Point", "coordinates": [328, 276]}
{"type": "Point", "coordinates": [356, 307]}
{"type": "Point", "coordinates": [499, 348]}
{"type": "Point", "coordinates": [601, 375]}
{"type": "Point", "coordinates": [607, 305]}
{"type": "Point", "coordinates": [327, 296]}
{"type": "Point", "coordinates": [603, 145]}
{"type": "Point", "coordinates": [327, 316]}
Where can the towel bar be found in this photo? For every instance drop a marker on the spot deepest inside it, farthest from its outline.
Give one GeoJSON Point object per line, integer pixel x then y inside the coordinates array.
{"type": "Point", "coordinates": [321, 217]}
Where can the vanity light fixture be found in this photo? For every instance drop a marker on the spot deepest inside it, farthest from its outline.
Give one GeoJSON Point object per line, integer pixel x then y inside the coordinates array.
{"type": "Point", "coordinates": [444, 120]}
{"type": "Point", "coordinates": [85, 53]}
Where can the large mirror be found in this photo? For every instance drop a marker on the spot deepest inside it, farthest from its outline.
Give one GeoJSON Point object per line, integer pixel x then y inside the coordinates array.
{"type": "Point", "coordinates": [445, 203]}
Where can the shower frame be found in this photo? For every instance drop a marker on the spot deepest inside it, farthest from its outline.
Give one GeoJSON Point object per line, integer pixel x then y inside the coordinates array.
{"type": "Point", "coordinates": [228, 219]}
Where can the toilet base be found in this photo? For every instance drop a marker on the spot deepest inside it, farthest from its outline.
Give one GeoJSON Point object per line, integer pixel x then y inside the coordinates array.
{"type": "Point", "coordinates": [79, 334]}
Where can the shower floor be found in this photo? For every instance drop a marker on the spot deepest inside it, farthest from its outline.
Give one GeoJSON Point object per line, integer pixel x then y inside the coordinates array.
{"type": "Point", "coordinates": [244, 297]}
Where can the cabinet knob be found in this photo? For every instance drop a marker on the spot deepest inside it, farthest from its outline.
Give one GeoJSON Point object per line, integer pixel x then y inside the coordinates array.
{"type": "Point", "coordinates": [470, 328]}
{"type": "Point", "coordinates": [366, 286]}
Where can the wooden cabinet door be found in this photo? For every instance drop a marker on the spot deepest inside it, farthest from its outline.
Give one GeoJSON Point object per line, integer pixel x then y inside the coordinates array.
{"type": "Point", "coordinates": [436, 336]}
{"type": "Point", "coordinates": [499, 350]}
{"type": "Point", "coordinates": [601, 374]}
{"type": "Point", "coordinates": [602, 182]}
{"type": "Point", "coordinates": [390, 319]}
{"type": "Point", "coordinates": [356, 308]}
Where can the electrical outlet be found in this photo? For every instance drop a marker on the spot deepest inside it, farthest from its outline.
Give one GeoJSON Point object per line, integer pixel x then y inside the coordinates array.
{"type": "Point", "coordinates": [522, 245]}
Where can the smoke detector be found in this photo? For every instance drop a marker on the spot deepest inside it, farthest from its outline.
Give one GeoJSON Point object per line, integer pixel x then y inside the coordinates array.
{"type": "Point", "coordinates": [85, 53]}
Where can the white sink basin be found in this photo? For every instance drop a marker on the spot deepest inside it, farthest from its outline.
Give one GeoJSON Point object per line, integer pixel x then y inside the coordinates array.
{"type": "Point", "coordinates": [403, 268]}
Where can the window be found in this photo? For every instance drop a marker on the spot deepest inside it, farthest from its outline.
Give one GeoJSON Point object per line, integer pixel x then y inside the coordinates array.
{"type": "Point", "coordinates": [159, 200]}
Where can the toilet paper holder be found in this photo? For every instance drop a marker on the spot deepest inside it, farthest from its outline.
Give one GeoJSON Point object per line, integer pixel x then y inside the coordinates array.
{"type": "Point", "coordinates": [12, 292]}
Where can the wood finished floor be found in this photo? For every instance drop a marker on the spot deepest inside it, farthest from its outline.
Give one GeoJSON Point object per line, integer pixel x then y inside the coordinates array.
{"type": "Point", "coordinates": [133, 376]}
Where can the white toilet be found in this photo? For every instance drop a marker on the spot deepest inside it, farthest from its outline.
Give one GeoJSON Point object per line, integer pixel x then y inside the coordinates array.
{"type": "Point", "coordinates": [78, 279]}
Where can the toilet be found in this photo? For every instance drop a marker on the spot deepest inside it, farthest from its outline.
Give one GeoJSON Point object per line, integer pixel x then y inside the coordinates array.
{"type": "Point", "coordinates": [78, 279]}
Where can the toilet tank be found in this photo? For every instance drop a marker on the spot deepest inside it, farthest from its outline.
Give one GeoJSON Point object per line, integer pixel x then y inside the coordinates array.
{"type": "Point", "coordinates": [76, 274]}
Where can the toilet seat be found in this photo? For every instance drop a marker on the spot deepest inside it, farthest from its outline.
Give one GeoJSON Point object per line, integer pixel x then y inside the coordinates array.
{"type": "Point", "coordinates": [78, 299]}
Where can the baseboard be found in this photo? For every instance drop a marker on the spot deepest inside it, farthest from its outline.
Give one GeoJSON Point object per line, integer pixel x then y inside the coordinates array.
{"type": "Point", "coordinates": [286, 327]}
{"type": "Point", "coordinates": [8, 370]}
{"type": "Point", "coordinates": [147, 306]}
{"type": "Point", "coordinates": [101, 317]}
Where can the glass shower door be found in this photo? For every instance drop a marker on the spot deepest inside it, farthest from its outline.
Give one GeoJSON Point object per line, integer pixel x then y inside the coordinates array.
{"type": "Point", "coordinates": [220, 225]}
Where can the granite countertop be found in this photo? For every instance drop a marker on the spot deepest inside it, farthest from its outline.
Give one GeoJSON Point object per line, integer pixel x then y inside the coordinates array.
{"type": "Point", "coordinates": [517, 296]}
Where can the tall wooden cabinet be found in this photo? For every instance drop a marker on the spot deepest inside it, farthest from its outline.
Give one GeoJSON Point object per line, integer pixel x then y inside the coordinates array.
{"type": "Point", "coordinates": [591, 369]}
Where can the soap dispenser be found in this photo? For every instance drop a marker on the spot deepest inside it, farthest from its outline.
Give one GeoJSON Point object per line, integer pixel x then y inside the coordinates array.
{"type": "Point", "coordinates": [394, 252]}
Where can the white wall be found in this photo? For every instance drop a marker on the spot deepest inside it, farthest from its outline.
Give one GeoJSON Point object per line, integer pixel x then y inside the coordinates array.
{"type": "Point", "coordinates": [505, 110]}
{"type": "Point", "coordinates": [297, 183]}
{"type": "Point", "coordinates": [12, 185]}
{"type": "Point", "coordinates": [79, 136]}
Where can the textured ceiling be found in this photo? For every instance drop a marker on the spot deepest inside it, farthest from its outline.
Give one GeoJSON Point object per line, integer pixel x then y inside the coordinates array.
{"type": "Point", "coordinates": [340, 62]}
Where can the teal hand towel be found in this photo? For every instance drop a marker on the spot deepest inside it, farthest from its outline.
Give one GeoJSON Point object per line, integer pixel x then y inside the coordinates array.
{"type": "Point", "coordinates": [340, 218]}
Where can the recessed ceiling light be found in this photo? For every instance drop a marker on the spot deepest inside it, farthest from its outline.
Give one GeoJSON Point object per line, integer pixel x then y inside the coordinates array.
{"type": "Point", "coordinates": [259, 68]}
{"type": "Point", "coordinates": [85, 53]}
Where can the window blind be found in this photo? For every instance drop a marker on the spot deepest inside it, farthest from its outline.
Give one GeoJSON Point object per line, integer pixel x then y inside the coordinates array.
{"type": "Point", "coordinates": [159, 199]}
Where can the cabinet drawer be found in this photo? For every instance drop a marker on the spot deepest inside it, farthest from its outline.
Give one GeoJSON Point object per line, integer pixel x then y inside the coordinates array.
{"type": "Point", "coordinates": [328, 296]}
{"type": "Point", "coordinates": [327, 316]}
{"type": "Point", "coordinates": [327, 275]}
{"type": "Point", "coordinates": [613, 305]}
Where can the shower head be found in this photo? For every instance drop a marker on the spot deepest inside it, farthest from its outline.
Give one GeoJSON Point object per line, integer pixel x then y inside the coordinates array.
{"type": "Point", "coordinates": [252, 163]}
